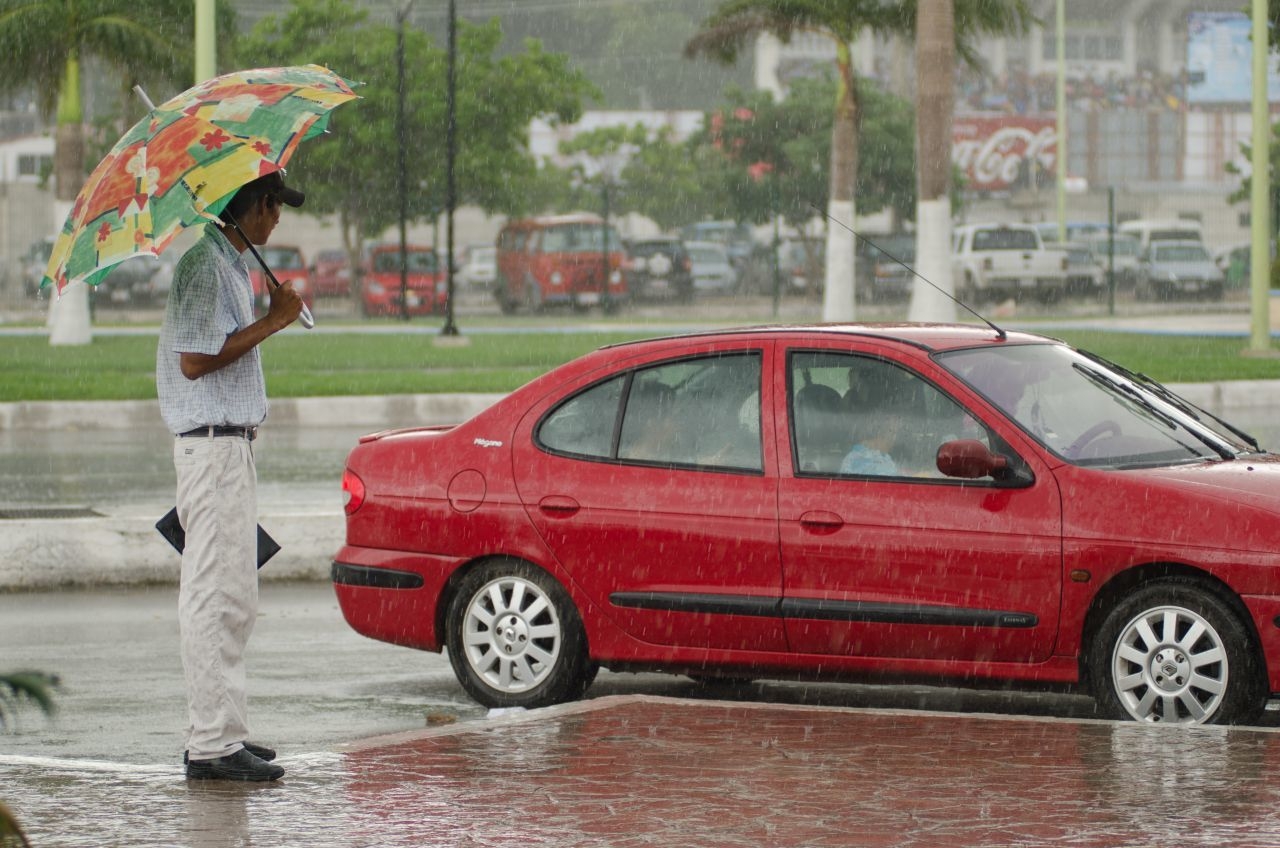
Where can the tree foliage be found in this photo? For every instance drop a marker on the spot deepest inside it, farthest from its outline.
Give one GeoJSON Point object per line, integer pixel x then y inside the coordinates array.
{"type": "Point", "coordinates": [353, 172]}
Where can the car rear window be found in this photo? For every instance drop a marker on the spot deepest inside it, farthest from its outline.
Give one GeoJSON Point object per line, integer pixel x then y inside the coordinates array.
{"type": "Point", "coordinates": [1003, 239]}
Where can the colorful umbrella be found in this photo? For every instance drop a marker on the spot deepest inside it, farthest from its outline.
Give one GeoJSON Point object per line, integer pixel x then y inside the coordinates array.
{"type": "Point", "coordinates": [183, 162]}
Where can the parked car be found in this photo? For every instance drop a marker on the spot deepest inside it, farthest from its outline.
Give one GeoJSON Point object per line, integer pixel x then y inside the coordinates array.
{"type": "Point", "coordinates": [142, 280]}
{"type": "Point", "coordinates": [287, 264]}
{"type": "Point", "coordinates": [331, 274]}
{"type": "Point", "coordinates": [712, 271]}
{"type": "Point", "coordinates": [1076, 230]}
{"type": "Point", "coordinates": [684, 505]}
{"type": "Point", "coordinates": [34, 263]}
{"type": "Point", "coordinates": [480, 270]}
{"type": "Point", "coordinates": [735, 237]}
{"type": "Point", "coordinates": [659, 268]}
{"type": "Point", "coordinates": [424, 278]}
{"type": "Point", "coordinates": [1005, 260]}
{"type": "Point", "coordinates": [1124, 248]}
{"type": "Point", "coordinates": [559, 259]}
{"type": "Point", "coordinates": [1147, 230]}
{"type": "Point", "coordinates": [1085, 275]}
{"type": "Point", "coordinates": [1172, 268]}
{"type": "Point", "coordinates": [882, 270]}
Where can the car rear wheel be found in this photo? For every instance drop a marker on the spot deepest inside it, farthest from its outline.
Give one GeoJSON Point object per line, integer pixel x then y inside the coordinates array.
{"type": "Point", "coordinates": [1174, 652]}
{"type": "Point", "coordinates": [515, 638]}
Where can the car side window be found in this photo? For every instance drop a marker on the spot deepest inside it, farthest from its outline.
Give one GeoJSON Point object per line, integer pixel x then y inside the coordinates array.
{"type": "Point", "coordinates": [861, 416]}
{"type": "Point", "coordinates": [584, 424]}
{"type": "Point", "coordinates": [702, 412]}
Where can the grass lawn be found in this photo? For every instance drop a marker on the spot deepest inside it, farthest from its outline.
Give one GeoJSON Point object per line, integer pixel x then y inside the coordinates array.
{"type": "Point", "coordinates": [298, 365]}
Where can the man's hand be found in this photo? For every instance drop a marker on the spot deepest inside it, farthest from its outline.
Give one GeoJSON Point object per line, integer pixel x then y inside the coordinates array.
{"type": "Point", "coordinates": [286, 305]}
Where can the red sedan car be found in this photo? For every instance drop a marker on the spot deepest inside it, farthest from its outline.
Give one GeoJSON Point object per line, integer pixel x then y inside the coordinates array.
{"type": "Point", "coordinates": [424, 278]}
{"type": "Point", "coordinates": [946, 503]}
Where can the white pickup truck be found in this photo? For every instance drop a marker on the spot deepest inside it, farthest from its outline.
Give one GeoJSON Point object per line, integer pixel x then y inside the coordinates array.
{"type": "Point", "coordinates": [992, 261]}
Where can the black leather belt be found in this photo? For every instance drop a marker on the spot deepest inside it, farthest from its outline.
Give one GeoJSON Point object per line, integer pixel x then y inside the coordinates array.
{"type": "Point", "coordinates": [249, 433]}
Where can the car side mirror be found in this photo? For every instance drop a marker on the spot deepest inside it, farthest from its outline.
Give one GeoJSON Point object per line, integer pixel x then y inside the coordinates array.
{"type": "Point", "coordinates": [969, 459]}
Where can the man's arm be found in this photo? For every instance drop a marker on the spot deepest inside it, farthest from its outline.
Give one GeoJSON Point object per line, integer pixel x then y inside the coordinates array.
{"type": "Point", "coordinates": [286, 305]}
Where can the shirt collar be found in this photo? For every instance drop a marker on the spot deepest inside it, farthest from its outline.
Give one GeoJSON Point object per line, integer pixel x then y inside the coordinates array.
{"type": "Point", "coordinates": [222, 244]}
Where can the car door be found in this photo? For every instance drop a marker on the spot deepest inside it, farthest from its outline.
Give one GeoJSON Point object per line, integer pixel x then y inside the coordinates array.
{"type": "Point", "coordinates": [882, 555]}
{"type": "Point", "coordinates": [654, 489]}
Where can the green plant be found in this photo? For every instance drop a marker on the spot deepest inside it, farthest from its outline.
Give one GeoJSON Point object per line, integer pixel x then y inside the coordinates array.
{"type": "Point", "coordinates": [17, 688]}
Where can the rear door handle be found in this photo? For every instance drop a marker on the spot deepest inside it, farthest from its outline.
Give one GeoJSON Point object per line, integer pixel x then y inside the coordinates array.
{"type": "Point", "coordinates": [559, 506]}
{"type": "Point", "coordinates": [821, 520]}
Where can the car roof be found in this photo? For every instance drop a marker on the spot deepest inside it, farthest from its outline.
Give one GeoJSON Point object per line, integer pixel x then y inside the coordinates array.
{"type": "Point", "coordinates": [931, 337]}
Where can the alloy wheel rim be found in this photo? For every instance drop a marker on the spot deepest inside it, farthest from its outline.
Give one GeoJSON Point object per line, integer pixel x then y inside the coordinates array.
{"type": "Point", "coordinates": [511, 635]}
{"type": "Point", "coordinates": [1170, 666]}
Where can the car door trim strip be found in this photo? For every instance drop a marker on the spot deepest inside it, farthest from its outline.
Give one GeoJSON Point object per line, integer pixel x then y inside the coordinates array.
{"type": "Point", "coordinates": [822, 609]}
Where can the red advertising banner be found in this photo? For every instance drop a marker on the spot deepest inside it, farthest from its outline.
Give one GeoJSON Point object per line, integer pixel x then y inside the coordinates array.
{"type": "Point", "coordinates": [994, 149]}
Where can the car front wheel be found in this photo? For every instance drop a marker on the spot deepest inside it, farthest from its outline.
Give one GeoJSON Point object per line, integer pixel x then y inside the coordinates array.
{"type": "Point", "coordinates": [515, 638]}
{"type": "Point", "coordinates": [1176, 653]}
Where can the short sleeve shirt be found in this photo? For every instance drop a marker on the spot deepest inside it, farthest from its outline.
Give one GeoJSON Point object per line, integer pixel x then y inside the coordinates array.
{"type": "Point", "coordinates": [210, 299]}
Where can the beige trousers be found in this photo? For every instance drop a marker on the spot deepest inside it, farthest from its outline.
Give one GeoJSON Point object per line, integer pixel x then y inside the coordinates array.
{"type": "Point", "coordinates": [218, 595]}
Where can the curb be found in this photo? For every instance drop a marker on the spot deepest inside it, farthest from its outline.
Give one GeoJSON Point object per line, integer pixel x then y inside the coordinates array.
{"type": "Point", "coordinates": [122, 548]}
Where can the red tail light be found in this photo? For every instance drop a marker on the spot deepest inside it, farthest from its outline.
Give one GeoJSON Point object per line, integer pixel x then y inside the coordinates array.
{"type": "Point", "coordinates": [353, 491]}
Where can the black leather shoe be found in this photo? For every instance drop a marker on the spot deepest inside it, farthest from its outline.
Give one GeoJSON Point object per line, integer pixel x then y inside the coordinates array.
{"type": "Point", "coordinates": [262, 752]}
{"type": "Point", "coordinates": [238, 766]}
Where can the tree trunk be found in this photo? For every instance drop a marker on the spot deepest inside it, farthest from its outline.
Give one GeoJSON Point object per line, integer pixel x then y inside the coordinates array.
{"type": "Point", "coordinates": [69, 322]}
{"type": "Point", "coordinates": [935, 80]}
{"type": "Point", "coordinates": [838, 294]}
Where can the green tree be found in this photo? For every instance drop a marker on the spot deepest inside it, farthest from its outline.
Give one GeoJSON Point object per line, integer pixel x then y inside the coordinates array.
{"type": "Point", "coordinates": [42, 46]}
{"type": "Point", "coordinates": [737, 23]}
{"type": "Point", "coordinates": [352, 172]}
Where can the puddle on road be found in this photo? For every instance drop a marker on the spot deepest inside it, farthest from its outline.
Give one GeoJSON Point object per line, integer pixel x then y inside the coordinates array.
{"type": "Point", "coordinates": [638, 772]}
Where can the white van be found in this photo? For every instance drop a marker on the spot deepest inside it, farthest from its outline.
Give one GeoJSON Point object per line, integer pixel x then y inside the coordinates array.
{"type": "Point", "coordinates": [1147, 230]}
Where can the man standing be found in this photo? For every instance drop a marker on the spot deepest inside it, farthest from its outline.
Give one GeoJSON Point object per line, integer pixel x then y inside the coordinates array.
{"type": "Point", "coordinates": [213, 397]}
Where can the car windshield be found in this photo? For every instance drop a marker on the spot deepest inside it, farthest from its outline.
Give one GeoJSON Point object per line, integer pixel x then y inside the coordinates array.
{"type": "Point", "coordinates": [417, 262]}
{"type": "Point", "coordinates": [1181, 253]}
{"type": "Point", "coordinates": [1123, 246]}
{"type": "Point", "coordinates": [282, 258]}
{"type": "Point", "coordinates": [707, 255]}
{"type": "Point", "coordinates": [576, 238]}
{"type": "Point", "coordinates": [1090, 413]}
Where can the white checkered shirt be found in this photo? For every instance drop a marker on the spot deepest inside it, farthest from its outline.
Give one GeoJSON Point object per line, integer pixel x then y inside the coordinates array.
{"type": "Point", "coordinates": [210, 299]}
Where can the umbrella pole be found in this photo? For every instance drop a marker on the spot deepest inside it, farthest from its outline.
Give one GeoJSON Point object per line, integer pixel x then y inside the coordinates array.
{"type": "Point", "coordinates": [305, 318]}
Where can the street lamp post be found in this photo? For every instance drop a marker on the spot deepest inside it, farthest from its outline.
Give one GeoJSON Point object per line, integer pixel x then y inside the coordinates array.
{"type": "Point", "coordinates": [401, 164]}
{"type": "Point", "coordinates": [451, 152]}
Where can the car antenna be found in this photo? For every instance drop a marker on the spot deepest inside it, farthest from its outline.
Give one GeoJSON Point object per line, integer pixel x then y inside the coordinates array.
{"type": "Point", "coordinates": [1001, 334]}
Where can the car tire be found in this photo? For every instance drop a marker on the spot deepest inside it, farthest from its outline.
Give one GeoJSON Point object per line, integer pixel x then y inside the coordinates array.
{"type": "Point", "coordinates": [515, 638]}
{"type": "Point", "coordinates": [1175, 651]}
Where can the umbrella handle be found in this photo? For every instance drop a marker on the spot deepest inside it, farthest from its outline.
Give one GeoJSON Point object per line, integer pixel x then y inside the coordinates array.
{"type": "Point", "coordinates": [305, 318]}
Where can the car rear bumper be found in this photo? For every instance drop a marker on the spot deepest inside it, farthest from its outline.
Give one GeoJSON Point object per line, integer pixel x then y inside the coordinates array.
{"type": "Point", "coordinates": [390, 595]}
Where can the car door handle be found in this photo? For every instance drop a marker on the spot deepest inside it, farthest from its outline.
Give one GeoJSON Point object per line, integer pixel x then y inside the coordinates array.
{"type": "Point", "coordinates": [821, 520]}
{"type": "Point", "coordinates": [560, 506]}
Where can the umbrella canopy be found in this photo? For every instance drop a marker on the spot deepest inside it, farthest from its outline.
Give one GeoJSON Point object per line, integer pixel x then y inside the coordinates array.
{"type": "Point", "coordinates": [183, 162]}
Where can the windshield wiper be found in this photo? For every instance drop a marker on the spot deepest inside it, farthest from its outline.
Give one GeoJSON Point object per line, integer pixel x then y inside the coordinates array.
{"type": "Point", "coordinates": [1142, 401]}
{"type": "Point", "coordinates": [1172, 398]}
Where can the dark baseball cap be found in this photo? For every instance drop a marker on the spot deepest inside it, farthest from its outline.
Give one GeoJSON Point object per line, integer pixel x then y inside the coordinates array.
{"type": "Point", "coordinates": [273, 183]}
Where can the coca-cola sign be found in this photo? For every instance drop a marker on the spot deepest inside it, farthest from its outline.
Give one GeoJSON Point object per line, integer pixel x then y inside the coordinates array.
{"type": "Point", "coordinates": [993, 150]}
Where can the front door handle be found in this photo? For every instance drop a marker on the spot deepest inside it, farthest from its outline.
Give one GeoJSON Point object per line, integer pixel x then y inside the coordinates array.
{"type": "Point", "coordinates": [559, 506]}
{"type": "Point", "coordinates": [821, 520]}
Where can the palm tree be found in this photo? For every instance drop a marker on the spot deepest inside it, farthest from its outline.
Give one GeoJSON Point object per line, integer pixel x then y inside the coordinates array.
{"type": "Point", "coordinates": [738, 22]}
{"type": "Point", "coordinates": [36, 687]}
{"type": "Point", "coordinates": [42, 46]}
